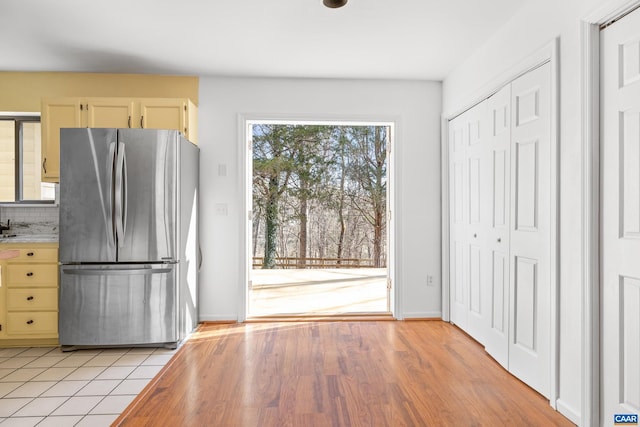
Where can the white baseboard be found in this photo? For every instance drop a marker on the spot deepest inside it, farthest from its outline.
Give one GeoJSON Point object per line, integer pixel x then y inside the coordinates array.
{"type": "Point", "coordinates": [568, 411]}
{"type": "Point", "coordinates": [423, 315]}
{"type": "Point", "coordinates": [231, 317]}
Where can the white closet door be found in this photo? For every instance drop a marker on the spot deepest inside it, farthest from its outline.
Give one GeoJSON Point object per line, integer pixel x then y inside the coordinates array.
{"type": "Point", "coordinates": [620, 217]}
{"type": "Point", "coordinates": [469, 178]}
{"type": "Point", "coordinates": [478, 182]}
{"type": "Point", "coordinates": [530, 284]}
{"type": "Point", "coordinates": [496, 295]}
{"type": "Point", "coordinates": [459, 219]}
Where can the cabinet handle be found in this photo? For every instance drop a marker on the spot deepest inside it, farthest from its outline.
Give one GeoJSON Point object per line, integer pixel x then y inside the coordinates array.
{"type": "Point", "coordinates": [44, 165]}
{"type": "Point", "coordinates": [29, 253]}
{"type": "Point", "coordinates": [29, 322]}
{"type": "Point", "coordinates": [475, 235]}
{"type": "Point", "coordinates": [29, 298]}
{"type": "Point", "coordinates": [499, 240]}
{"type": "Point", "coordinates": [29, 274]}
{"type": "Point", "coordinates": [129, 122]}
{"type": "Point", "coordinates": [142, 122]}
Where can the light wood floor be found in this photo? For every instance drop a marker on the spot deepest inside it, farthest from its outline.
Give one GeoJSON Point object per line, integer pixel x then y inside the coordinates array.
{"type": "Point", "coordinates": [332, 373]}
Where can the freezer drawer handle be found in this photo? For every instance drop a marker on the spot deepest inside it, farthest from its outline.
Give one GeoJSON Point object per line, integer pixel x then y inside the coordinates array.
{"type": "Point", "coordinates": [29, 322]}
{"type": "Point", "coordinates": [97, 271]}
{"type": "Point", "coordinates": [29, 274]}
{"type": "Point", "coordinates": [29, 298]}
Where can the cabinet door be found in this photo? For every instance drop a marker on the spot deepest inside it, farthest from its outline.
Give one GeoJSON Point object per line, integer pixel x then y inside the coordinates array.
{"type": "Point", "coordinates": [56, 113]}
{"type": "Point", "coordinates": [191, 122]}
{"type": "Point", "coordinates": [3, 296]}
{"type": "Point", "coordinates": [109, 112]}
{"type": "Point", "coordinates": [163, 113]}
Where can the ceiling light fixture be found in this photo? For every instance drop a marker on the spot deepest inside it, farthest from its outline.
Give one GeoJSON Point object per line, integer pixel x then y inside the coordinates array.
{"type": "Point", "coordinates": [334, 4]}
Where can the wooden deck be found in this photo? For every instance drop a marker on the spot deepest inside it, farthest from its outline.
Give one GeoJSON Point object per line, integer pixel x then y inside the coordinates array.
{"type": "Point", "coordinates": [394, 373]}
{"type": "Point", "coordinates": [312, 292]}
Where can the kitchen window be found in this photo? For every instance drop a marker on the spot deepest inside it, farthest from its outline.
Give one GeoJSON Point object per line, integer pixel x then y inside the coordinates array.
{"type": "Point", "coordinates": [20, 160]}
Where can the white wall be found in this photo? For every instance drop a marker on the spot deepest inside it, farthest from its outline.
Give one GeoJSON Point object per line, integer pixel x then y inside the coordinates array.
{"type": "Point", "coordinates": [534, 26]}
{"type": "Point", "coordinates": [415, 106]}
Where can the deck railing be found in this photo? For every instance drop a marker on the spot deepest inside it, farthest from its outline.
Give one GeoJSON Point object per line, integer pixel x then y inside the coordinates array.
{"type": "Point", "coordinates": [293, 262]}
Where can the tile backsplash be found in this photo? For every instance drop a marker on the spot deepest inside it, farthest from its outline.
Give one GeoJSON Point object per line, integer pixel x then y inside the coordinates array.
{"type": "Point", "coordinates": [31, 219]}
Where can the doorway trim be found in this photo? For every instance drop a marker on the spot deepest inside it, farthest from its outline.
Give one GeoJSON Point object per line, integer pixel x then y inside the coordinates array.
{"type": "Point", "coordinates": [547, 53]}
{"type": "Point", "coordinates": [245, 120]}
{"type": "Point", "coordinates": [590, 131]}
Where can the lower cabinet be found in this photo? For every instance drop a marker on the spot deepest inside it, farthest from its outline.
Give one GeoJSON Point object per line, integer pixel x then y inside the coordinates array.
{"type": "Point", "coordinates": [29, 295]}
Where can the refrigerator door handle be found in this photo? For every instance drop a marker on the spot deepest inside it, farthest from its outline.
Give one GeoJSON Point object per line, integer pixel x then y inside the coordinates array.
{"type": "Point", "coordinates": [115, 272]}
{"type": "Point", "coordinates": [125, 190]}
{"type": "Point", "coordinates": [119, 195]}
{"type": "Point", "coordinates": [111, 165]}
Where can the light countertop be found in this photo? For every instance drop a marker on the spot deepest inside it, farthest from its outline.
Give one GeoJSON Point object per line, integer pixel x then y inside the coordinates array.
{"type": "Point", "coordinates": [30, 233]}
{"type": "Point", "coordinates": [28, 238]}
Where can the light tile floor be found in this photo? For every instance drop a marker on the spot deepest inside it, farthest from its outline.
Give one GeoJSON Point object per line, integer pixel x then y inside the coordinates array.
{"type": "Point", "coordinates": [46, 387]}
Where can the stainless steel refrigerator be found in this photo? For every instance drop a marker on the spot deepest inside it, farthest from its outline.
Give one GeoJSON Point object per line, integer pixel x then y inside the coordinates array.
{"type": "Point", "coordinates": [129, 253]}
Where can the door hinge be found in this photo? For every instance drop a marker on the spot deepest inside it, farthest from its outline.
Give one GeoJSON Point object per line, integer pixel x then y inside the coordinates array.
{"type": "Point", "coordinates": [389, 216]}
{"type": "Point", "coordinates": [249, 215]}
{"type": "Point", "coordinates": [250, 284]}
{"type": "Point", "coordinates": [185, 107]}
{"type": "Point", "coordinates": [388, 282]}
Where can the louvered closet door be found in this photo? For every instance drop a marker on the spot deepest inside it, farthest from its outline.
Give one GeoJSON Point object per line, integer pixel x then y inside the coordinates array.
{"type": "Point", "coordinates": [620, 216]}
{"type": "Point", "coordinates": [459, 219]}
{"type": "Point", "coordinates": [496, 297]}
{"type": "Point", "coordinates": [530, 285]}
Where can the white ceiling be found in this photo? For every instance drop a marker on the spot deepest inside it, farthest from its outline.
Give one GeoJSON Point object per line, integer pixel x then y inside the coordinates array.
{"type": "Point", "coordinates": [394, 39]}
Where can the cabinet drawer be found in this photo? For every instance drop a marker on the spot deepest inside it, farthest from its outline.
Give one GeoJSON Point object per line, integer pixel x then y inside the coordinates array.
{"type": "Point", "coordinates": [35, 255]}
{"type": "Point", "coordinates": [19, 275]}
{"type": "Point", "coordinates": [38, 323]}
{"type": "Point", "coordinates": [32, 299]}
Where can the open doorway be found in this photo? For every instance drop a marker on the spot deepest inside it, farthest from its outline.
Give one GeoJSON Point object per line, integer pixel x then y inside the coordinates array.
{"type": "Point", "coordinates": [319, 219]}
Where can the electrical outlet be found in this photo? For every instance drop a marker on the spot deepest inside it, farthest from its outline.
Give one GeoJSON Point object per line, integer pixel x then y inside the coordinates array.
{"type": "Point", "coordinates": [429, 280]}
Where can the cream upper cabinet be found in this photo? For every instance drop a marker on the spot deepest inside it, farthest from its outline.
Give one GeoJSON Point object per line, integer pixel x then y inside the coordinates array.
{"type": "Point", "coordinates": [108, 112]}
{"type": "Point", "coordinates": [169, 113]}
{"type": "Point", "coordinates": [149, 113]}
{"type": "Point", "coordinates": [56, 113]}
